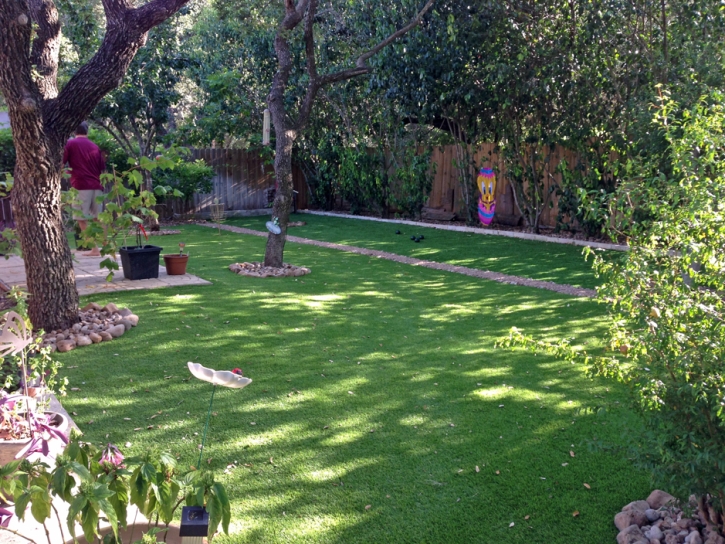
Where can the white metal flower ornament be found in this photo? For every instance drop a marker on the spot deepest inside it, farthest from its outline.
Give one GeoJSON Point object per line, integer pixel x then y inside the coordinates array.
{"type": "Point", "coordinates": [225, 378]}
{"type": "Point", "coordinates": [15, 336]}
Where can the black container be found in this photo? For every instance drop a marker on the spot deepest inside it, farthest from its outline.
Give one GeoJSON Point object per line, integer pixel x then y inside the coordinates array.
{"type": "Point", "coordinates": [194, 521]}
{"type": "Point", "coordinates": [140, 263]}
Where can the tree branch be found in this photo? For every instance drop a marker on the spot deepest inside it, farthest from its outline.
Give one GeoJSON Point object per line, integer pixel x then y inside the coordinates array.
{"type": "Point", "coordinates": [361, 66]}
{"type": "Point", "coordinates": [126, 30]}
{"type": "Point", "coordinates": [46, 46]}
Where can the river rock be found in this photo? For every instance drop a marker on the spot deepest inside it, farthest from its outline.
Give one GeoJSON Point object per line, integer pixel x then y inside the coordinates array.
{"type": "Point", "coordinates": [657, 499]}
{"type": "Point", "coordinates": [629, 517]}
{"type": "Point", "coordinates": [65, 345]}
{"type": "Point", "coordinates": [126, 323]}
{"type": "Point", "coordinates": [83, 340]}
{"type": "Point", "coordinates": [95, 338]}
{"type": "Point", "coordinates": [631, 535]}
{"type": "Point", "coordinates": [642, 506]}
{"type": "Point", "coordinates": [60, 336]}
{"type": "Point", "coordinates": [110, 308]}
{"type": "Point", "coordinates": [653, 533]}
{"type": "Point", "coordinates": [116, 330]}
{"type": "Point", "coordinates": [105, 336]}
{"type": "Point", "coordinates": [133, 319]}
{"type": "Point", "coordinates": [124, 312]}
{"type": "Point", "coordinates": [693, 538]}
{"type": "Point", "coordinates": [91, 306]}
{"type": "Point", "coordinates": [715, 538]}
{"type": "Point", "coordinates": [652, 515]}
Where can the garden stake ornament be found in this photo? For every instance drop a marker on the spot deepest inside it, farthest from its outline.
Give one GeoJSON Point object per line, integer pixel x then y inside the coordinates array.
{"type": "Point", "coordinates": [13, 341]}
{"type": "Point", "coordinates": [232, 379]}
{"type": "Point", "coordinates": [273, 226]}
{"type": "Point", "coordinates": [487, 202]}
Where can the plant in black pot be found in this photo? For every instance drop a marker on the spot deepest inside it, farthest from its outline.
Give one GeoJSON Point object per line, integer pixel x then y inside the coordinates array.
{"type": "Point", "coordinates": [126, 206]}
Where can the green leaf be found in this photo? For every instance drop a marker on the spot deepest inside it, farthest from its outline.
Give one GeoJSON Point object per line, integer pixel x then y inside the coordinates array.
{"type": "Point", "coordinates": [89, 521]}
{"type": "Point", "coordinates": [74, 511]}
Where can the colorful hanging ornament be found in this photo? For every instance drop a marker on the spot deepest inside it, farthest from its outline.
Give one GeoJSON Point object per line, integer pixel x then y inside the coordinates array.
{"type": "Point", "coordinates": [487, 202]}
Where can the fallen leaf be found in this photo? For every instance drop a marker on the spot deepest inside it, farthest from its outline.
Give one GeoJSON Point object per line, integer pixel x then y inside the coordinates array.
{"type": "Point", "coordinates": [90, 422]}
{"type": "Point", "coordinates": [75, 388]}
{"type": "Point", "coordinates": [127, 419]}
{"type": "Point", "coordinates": [350, 393]}
{"type": "Point", "coordinates": [498, 472]}
{"type": "Point", "coordinates": [500, 405]}
{"type": "Point", "coordinates": [128, 444]}
{"type": "Point", "coordinates": [460, 470]}
{"type": "Point", "coordinates": [572, 453]}
{"type": "Point", "coordinates": [527, 517]}
{"type": "Point", "coordinates": [252, 422]}
{"type": "Point", "coordinates": [453, 425]}
{"type": "Point", "coordinates": [74, 413]}
{"type": "Point", "coordinates": [368, 506]}
{"type": "Point", "coordinates": [587, 486]}
{"type": "Point", "coordinates": [150, 427]}
{"type": "Point", "coordinates": [271, 460]}
{"type": "Point", "coordinates": [564, 464]}
{"type": "Point", "coordinates": [137, 429]}
{"type": "Point", "coordinates": [575, 513]}
{"type": "Point", "coordinates": [153, 416]}
{"type": "Point", "coordinates": [326, 427]}
{"type": "Point", "coordinates": [478, 469]}
{"type": "Point", "coordinates": [511, 524]}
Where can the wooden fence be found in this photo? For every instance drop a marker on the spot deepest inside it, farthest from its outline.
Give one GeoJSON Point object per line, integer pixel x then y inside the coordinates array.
{"type": "Point", "coordinates": [240, 182]}
{"type": "Point", "coordinates": [446, 191]}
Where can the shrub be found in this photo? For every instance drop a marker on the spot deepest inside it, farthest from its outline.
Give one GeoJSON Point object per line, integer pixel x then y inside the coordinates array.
{"type": "Point", "coordinates": [666, 305]}
{"type": "Point", "coordinates": [188, 178]}
{"type": "Point", "coordinates": [7, 153]}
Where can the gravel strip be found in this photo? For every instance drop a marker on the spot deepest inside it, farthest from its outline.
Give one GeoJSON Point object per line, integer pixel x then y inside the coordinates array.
{"type": "Point", "coordinates": [473, 272]}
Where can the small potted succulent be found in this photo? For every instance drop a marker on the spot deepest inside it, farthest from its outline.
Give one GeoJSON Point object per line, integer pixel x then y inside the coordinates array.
{"type": "Point", "coordinates": [175, 263]}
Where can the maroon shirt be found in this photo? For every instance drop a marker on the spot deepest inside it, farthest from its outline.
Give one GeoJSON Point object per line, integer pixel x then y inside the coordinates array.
{"type": "Point", "coordinates": [86, 163]}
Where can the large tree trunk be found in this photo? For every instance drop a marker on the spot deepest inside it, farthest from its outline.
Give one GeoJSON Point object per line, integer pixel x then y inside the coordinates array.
{"type": "Point", "coordinates": [274, 252]}
{"type": "Point", "coordinates": [53, 302]}
{"type": "Point", "coordinates": [43, 118]}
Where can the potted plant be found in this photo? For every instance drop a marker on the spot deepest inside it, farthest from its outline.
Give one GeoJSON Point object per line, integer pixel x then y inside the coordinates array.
{"type": "Point", "coordinates": [26, 425]}
{"type": "Point", "coordinates": [126, 207]}
{"type": "Point", "coordinates": [176, 263]}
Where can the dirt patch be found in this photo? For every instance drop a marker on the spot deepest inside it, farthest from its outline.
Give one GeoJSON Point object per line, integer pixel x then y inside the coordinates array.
{"type": "Point", "coordinates": [258, 270]}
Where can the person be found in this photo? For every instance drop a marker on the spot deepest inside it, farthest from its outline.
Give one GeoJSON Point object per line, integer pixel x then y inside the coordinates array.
{"type": "Point", "coordinates": [86, 166]}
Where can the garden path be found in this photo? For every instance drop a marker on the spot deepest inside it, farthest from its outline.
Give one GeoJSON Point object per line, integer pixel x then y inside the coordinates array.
{"type": "Point", "coordinates": [473, 272]}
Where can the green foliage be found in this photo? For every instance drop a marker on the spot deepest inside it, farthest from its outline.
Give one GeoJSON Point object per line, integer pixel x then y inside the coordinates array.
{"type": "Point", "coordinates": [412, 181]}
{"type": "Point", "coordinates": [666, 304]}
{"type": "Point", "coordinates": [187, 177]}
{"type": "Point", "coordinates": [7, 153]}
{"type": "Point", "coordinates": [126, 205]}
{"type": "Point", "coordinates": [102, 484]}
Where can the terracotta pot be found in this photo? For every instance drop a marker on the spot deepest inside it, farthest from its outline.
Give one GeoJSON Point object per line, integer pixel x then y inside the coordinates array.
{"type": "Point", "coordinates": [175, 264]}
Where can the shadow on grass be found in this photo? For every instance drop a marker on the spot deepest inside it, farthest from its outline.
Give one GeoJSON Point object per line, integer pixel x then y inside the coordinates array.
{"type": "Point", "coordinates": [365, 345]}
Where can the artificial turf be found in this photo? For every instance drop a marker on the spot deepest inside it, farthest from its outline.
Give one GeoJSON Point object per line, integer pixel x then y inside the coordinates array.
{"type": "Point", "coordinates": [380, 409]}
{"type": "Point", "coordinates": [548, 261]}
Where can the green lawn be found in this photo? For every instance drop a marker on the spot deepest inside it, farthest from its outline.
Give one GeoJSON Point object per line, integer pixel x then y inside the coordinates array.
{"type": "Point", "coordinates": [375, 383]}
{"type": "Point", "coordinates": [560, 263]}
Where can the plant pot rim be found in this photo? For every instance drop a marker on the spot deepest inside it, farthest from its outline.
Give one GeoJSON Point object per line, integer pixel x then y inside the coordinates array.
{"type": "Point", "coordinates": [147, 247]}
{"type": "Point", "coordinates": [175, 256]}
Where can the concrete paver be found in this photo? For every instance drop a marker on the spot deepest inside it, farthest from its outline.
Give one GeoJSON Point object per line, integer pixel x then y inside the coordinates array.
{"type": "Point", "coordinates": [90, 278]}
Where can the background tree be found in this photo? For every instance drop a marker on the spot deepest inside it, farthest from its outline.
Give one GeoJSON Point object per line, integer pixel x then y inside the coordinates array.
{"type": "Point", "coordinates": [287, 127]}
{"type": "Point", "coordinates": [43, 116]}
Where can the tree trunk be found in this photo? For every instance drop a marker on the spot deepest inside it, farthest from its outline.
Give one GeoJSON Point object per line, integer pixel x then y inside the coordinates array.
{"type": "Point", "coordinates": [53, 303]}
{"type": "Point", "coordinates": [274, 252]}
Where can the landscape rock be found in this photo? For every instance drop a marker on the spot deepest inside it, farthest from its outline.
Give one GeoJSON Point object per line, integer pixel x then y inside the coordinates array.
{"type": "Point", "coordinates": [110, 308]}
{"type": "Point", "coordinates": [65, 345]}
{"type": "Point", "coordinates": [693, 538]}
{"type": "Point", "coordinates": [91, 306]}
{"type": "Point", "coordinates": [657, 499]}
{"type": "Point", "coordinates": [715, 538]}
{"type": "Point", "coordinates": [116, 331]}
{"type": "Point", "coordinates": [672, 539]}
{"type": "Point", "coordinates": [95, 338]}
{"type": "Point", "coordinates": [652, 515]}
{"type": "Point", "coordinates": [59, 337]}
{"type": "Point", "coordinates": [642, 506]}
{"type": "Point", "coordinates": [631, 535]}
{"type": "Point", "coordinates": [106, 336]}
{"type": "Point", "coordinates": [126, 323]}
{"type": "Point", "coordinates": [83, 340]}
{"type": "Point", "coordinates": [133, 319]}
{"type": "Point", "coordinates": [629, 517]}
{"type": "Point", "coordinates": [654, 532]}
{"type": "Point", "coordinates": [124, 312]}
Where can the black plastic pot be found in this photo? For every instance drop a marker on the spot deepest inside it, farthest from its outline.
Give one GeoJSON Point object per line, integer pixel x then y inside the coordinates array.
{"type": "Point", "coordinates": [140, 263]}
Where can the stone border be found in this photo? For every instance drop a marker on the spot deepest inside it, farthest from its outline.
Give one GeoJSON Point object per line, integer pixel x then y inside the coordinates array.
{"type": "Point", "coordinates": [258, 270]}
{"type": "Point", "coordinates": [473, 272]}
{"type": "Point", "coordinates": [474, 230]}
